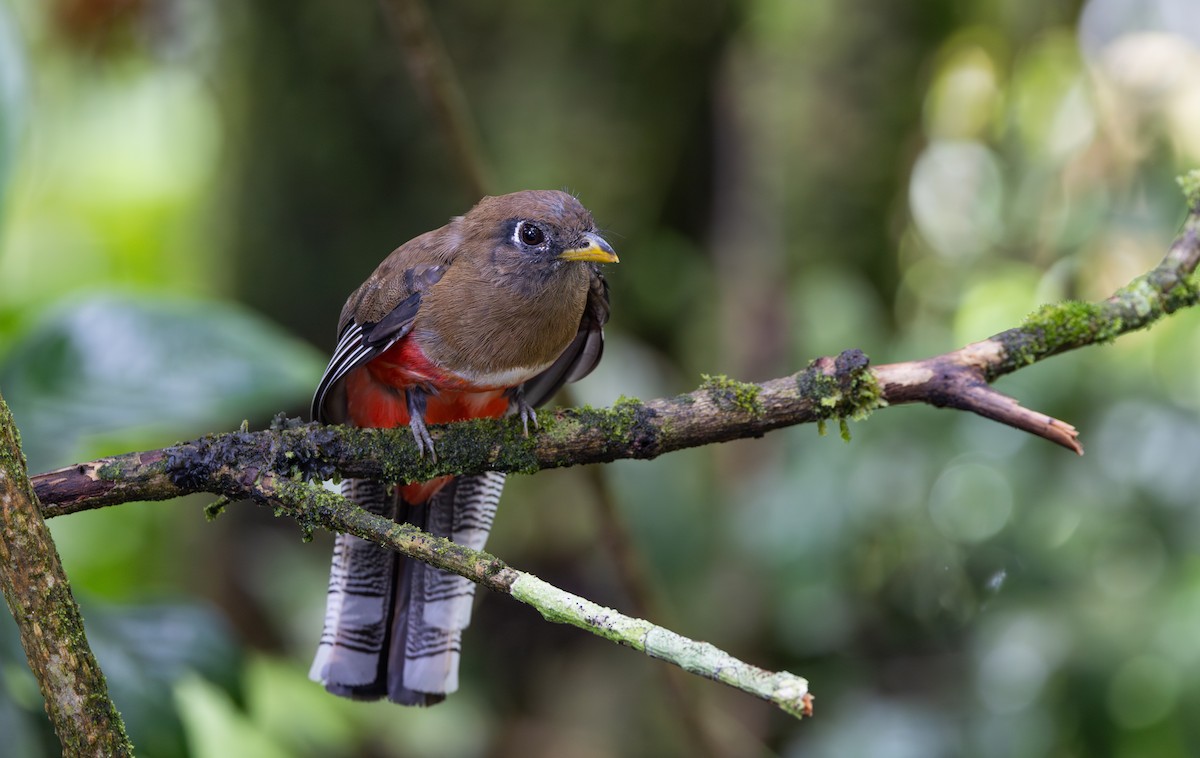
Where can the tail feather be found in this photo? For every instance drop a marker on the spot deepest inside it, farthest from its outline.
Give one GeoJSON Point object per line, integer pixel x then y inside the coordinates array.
{"type": "Point", "coordinates": [394, 626]}
{"type": "Point", "coordinates": [358, 603]}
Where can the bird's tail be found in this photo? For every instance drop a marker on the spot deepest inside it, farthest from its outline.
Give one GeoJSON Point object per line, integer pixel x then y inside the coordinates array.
{"type": "Point", "coordinates": [393, 626]}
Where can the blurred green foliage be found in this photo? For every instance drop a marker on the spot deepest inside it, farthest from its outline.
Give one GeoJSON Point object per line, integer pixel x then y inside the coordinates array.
{"type": "Point", "coordinates": [12, 95]}
{"type": "Point", "coordinates": [782, 180]}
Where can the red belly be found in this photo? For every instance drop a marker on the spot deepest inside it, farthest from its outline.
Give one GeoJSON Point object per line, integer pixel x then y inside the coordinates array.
{"type": "Point", "coordinates": [375, 399]}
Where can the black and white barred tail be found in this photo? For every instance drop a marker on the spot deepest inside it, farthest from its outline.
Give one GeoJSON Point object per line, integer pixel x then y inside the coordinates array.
{"type": "Point", "coordinates": [393, 626]}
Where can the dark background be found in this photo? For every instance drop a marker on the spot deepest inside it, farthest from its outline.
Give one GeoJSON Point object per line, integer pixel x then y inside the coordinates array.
{"type": "Point", "coordinates": [193, 189]}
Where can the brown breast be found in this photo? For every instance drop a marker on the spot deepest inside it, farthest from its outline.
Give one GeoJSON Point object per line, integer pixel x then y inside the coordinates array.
{"type": "Point", "coordinates": [474, 322]}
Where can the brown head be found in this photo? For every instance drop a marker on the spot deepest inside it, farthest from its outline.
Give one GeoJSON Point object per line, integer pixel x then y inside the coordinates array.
{"type": "Point", "coordinates": [527, 237]}
{"type": "Point", "coordinates": [516, 291]}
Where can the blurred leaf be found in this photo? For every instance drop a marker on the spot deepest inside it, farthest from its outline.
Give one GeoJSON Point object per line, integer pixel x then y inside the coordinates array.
{"type": "Point", "coordinates": [995, 299]}
{"type": "Point", "coordinates": [956, 194]}
{"type": "Point", "coordinates": [145, 650]}
{"type": "Point", "coordinates": [215, 726]}
{"type": "Point", "coordinates": [284, 703]}
{"type": "Point", "coordinates": [12, 95]}
{"type": "Point", "coordinates": [111, 373]}
{"type": "Point", "coordinates": [1051, 110]}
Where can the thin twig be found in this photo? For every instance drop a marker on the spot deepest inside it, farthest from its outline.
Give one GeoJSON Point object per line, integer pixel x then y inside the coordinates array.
{"type": "Point", "coordinates": [960, 379]}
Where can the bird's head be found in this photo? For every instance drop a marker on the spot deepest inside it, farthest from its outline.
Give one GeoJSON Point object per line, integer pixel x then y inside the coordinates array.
{"type": "Point", "coordinates": [535, 234]}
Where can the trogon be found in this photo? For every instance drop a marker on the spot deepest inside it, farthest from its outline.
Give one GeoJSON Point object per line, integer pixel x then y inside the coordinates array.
{"type": "Point", "coordinates": [487, 316]}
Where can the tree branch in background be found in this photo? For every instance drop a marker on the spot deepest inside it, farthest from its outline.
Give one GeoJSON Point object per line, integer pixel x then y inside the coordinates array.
{"type": "Point", "coordinates": [435, 81]}
{"type": "Point", "coordinates": [50, 625]}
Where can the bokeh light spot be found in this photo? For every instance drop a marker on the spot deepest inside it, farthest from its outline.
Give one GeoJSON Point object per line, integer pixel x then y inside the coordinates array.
{"type": "Point", "coordinates": [970, 502]}
{"type": "Point", "coordinates": [1143, 691]}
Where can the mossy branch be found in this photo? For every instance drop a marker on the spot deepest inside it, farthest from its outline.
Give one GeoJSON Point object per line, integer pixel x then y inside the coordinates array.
{"type": "Point", "coordinates": [48, 619]}
{"type": "Point", "coordinates": [720, 410]}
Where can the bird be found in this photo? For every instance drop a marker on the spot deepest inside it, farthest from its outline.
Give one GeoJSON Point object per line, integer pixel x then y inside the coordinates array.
{"type": "Point", "coordinates": [487, 316]}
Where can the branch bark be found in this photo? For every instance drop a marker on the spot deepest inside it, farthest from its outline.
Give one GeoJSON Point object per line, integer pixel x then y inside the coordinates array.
{"type": "Point", "coordinates": [51, 627]}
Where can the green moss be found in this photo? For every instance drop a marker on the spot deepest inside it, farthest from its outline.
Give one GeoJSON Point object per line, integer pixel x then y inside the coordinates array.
{"type": "Point", "coordinates": [304, 502]}
{"type": "Point", "coordinates": [516, 452]}
{"type": "Point", "coordinates": [476, 445]}
{"type": "Point", "coordinates": [560, 430]}
{"type": "Point", "coordinates": [632, 422]}
{"type": "Point", "coordinates": [1066, 322]}
{"type": "Point", "coordinates": [216, 508]}
{"type": "Point", "coordinates": [819, 388]}
{"type": "Point", "coordinates": [395, 450]}
{"type": "Point", "coordinates": [1061, 326]}
{"type": "Point", "coordinates": [730, 394]}
{"type": "Point", "coordinates": [852, 396]}
{"type": "Point", "coordinates": [628, 424]}
{"type": "Point", "coordinates": [1190, 183]}
{"type": "Point", "coordinates": [626, 413]}
{"type": "Point", "coordinates": [110, 472]}
{"type": "Point", "coordinates": [616, 423]}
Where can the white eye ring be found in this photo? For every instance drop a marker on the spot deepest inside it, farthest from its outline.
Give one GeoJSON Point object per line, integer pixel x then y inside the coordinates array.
{"type": "Point", "coordinates": [528, 234]}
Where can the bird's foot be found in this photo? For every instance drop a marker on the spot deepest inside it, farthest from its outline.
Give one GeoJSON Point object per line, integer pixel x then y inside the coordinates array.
{"type": "Point", "coordinates": [524, 410]}
{"type": "Point", "coordinates": [415, 399]}
{"type": "Point", "coordinates": [422, 438]}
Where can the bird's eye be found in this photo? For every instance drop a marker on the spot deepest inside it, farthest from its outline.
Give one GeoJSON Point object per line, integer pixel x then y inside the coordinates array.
{"type": "Point", "coordinates": [531, 234]}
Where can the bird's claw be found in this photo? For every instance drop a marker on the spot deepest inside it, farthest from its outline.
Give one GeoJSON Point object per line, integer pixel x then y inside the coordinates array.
{"type": "Point", "coordinates": [524, 410]}
{"type": "Point", "coordinates": [422, 438]}
{"type": "Point", "coordinates": [527, 414]}
{"type": "Point", "coordinates": [416, 421]}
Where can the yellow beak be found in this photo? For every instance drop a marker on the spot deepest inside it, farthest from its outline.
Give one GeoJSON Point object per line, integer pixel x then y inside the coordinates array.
{"type": "Point", "coordinates": [595, 250]}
